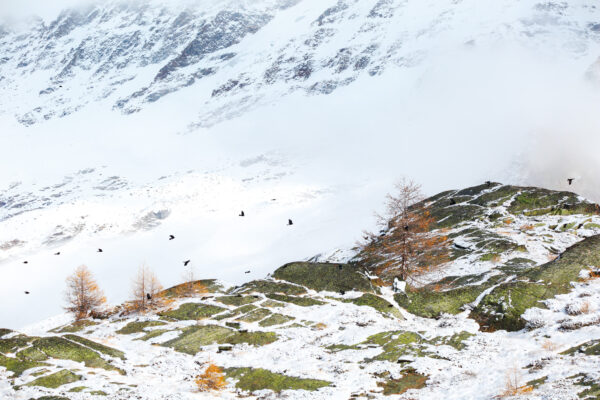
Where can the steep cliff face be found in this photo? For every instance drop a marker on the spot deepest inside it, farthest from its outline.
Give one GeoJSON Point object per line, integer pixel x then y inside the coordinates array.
{"type": "Point", "coordinates": [126, 55]}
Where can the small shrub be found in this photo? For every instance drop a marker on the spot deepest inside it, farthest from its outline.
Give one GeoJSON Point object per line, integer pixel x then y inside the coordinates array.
{"type": "Point", "coordinates": [550, 345]}
{"type": "Point", "coordinates": [513, 384]}
{"type": "Point", "coordinates": [211, 379]}
{"type": "Point", "coordinates": [320, 326]}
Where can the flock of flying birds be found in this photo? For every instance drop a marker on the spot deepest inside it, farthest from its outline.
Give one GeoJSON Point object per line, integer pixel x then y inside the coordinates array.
{"type": "Point", "coordinates": [242, 214]}
{"type": "Point", "coordinates": [171, 237]}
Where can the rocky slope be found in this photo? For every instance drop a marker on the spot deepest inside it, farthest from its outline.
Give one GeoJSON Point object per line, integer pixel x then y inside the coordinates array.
{"type": "Point", "coordinates": [128, 54]}
{"type": "Point", "coordinates": [520, 301]}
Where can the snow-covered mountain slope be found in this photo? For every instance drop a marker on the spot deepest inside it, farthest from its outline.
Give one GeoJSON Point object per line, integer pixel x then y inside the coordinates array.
{"type": "Point", "coordinates": [297, 337]}
{"type": "Point", "coordinates": [124, 122]}
{"type": "Point", "coordinates": [237, 55]}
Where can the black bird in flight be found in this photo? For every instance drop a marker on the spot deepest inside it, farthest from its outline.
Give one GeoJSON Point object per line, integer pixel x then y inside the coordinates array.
{"type": "Point", "coordinates": [171, 237]}
{"type": "Point", "coordinates": [57, 253]}
{"type": "Point", "coordinates": [247, 272]}
{"type": "Point", "coordinates": [290, 222]}
{"type": "Point", "coordinates": [25, 262]}
{"type": "Point", "coordinates": [186, 262]}
{"type": "Point", "coordinates": [242, 214]}
{"type": "Point", "coordinates": [26, 292]}
{"type": "Point", "coordinates": [570, 180]}
{"type": "Point", "coordinates": [99, 250]}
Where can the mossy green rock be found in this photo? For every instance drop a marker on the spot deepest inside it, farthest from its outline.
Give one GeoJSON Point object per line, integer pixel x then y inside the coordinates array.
{"type": "Point", "coordinates": [138, 326]}
{"type": "Point", "coordinates": [591, 348]}
{"type": "Point", "coordinates": [75, 326]}
{"type": "Point", "coordinates": [193, 338]}
{"type": "Point", "coordinates": [18, 366]}
{"type": "Point", "coordinates": [253, 379]}
{"type": "Point", "coordinates": [503, 306]}
{"type": "Point", "coordinates": [297, 300]}
{"type": "Point", "coordinates": [195, 311]}
{"type": "Point", "coordinates": [378, 303]}
{"type": "Point", "coordinates": [52, 398]}
{"type": "Point", "coordinates": [398, 344]}
{"type": "Point", "coordinates": [61, 348]}
{"type": "Point", "coordinates": [326, 276]}
{"type": "Point", "coordinates": [152, 334]}
{"type": "Point", "coordinates": [237, 300]}
{"type": "Point", "coordinates": [255, 316]}
{"type": "Point", "coordinates": [430, 304]}
{"type": "Point", "coordinates": [56, 379]}
{"type": "Point", "coordinates": [15, 343]}
{"type": "Point", "coordinates": [276, 319]}
{"type": "Point", "coordinates": [269, 286]}
{"type": "Point", "coordinates": [109, 351]}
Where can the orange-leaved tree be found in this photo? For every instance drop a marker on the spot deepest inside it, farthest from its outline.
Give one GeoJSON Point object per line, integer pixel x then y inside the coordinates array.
{"type": "Point", "coordinates": [211, 379]}
{"type": "Point", "coordinates": [146, 290]}
{"type": "Point", "coordinates": [83, 294]}
{"type": "Point", "coordinates": [407, 245]}
{"type": "Point", "coordinates": [190, 286]}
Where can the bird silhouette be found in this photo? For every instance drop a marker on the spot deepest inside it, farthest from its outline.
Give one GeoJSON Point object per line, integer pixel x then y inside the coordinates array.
{"type": "Point", "coordinates": [342, 292]}
{"type": "Point", "coordinates": [57, 253]}
{"type": "Point", "coordinates": [242, 214]}
{"type": "Point", "coordinates": [148, 296]}
{"type": "Point", "coordinates": [186, 262]}
{"type": "Point", "coordinates": [171, 237]}
{"type": "Point", "coordinates": [25, 262]}
{"type": "Point", "coordinates": [570, 180]}
{"type": "Point", "coordinates": [26, 292]}
{"type": "Point", "coordinates": [99, 250]}
{"type": "Point", "coordinates": [290, 222]}
{"type": "Point", "coordinates": [488, 183]}
{"type": "Point", "coordinates": [247, 272]}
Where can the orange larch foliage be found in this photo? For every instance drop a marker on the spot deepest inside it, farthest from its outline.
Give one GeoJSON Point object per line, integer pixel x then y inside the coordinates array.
{"type": "Point", "coordinates": [407, 246]}
{"type": "Point", "coordinates": [83, 295]}
{"type": "Point", "coordinates": [211, 379]}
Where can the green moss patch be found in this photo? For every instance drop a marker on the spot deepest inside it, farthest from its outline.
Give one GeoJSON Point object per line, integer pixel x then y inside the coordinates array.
{"type": "Point", "coordinates": [109, 351]}
{"type": "Point", "coordinates": [299, 301]}
{"type": "Point", "coordinates": [138, 326]}
{"type": "Point", "coordinates": [237, 300]}
{"type": "Point", "coordinates": [61, 348]}
{"type": "Point", "coordinates": [430, 304]}
{"type": "Point", "coordinates": [195, 311]}
{"type": "Point", "coordinates": [193, 338]}
{"type": "Point", "coordinates": [18, 366]}
{"type": "Point", "coordinates": [77, 389]}
{"type": "Point", "coordinates": [152, 334]}
{"type": "Point", "coordinates": [235, 312]}
{"type": "Point", "coordinates": [378, 303]}
{"type": "Point", "coordinates": [591, 348]}
{"type": "Point", "coordinates": [503, 306]}
{"type": "Point", "coordinates": [269, 286]}
{"type": "Point", "coordinates": [56, 379]}
{"type": "Point", "coordinates": [32, 354]}
{"type": "Point", "coordinates": [15, 343]}
{"type": "Point", "coordinates": [325, 276]}
{"type": "Point", "coordinates": [255, 316]}
{"type": "Point", "coordinates": [75, 326]}
{"type": "Point", "coordinates": [397, 345]}
{"type": "Point", "coordinates": [276, 319]}
{"type": "Point", "coordinates": [253, 379]}
{"type": "Point", "coordinates": [271, 303]}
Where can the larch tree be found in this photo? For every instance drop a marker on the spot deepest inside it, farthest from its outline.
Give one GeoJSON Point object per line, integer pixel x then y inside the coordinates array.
{"type": "Point", "coordinates": [83, 294]}
{"type": "Point", "coordinates": [406, 246]}
{"type": "Point", "coordinates": [190, 287]}
{"type": "Point", "coordinates": [146, 290]}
